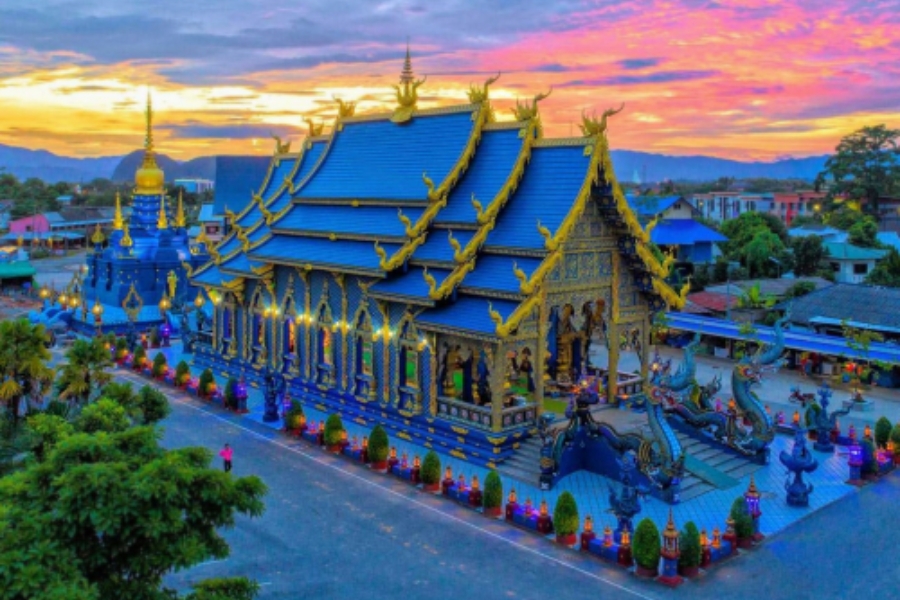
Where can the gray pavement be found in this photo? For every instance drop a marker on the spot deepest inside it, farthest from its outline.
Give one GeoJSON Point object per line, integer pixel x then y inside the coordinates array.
{"type": "Point", "coordinates": [58, 271]}
{"type": "Point", "coordinates": [333, 529]}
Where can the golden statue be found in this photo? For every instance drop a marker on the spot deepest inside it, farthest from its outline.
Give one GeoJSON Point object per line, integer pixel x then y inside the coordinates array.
{"type": "Point", "coordinates": [529, 111]}
{"type": "Point", "coordinates": [479, 94]}
{"type": "Point", "coordinates": [162, 222]}
{"type": "Point", "coordinates": [97, 239]}
{"type": "Point", "coordinates": [592, 127]}
{"type": "Point", "coordinates": [126, 241]}
{"type": "Point", "coordinates": [172, 280]}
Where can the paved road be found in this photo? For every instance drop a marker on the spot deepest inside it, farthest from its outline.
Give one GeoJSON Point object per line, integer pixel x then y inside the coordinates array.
{"type": "Point", "coordinates": [335, 530]}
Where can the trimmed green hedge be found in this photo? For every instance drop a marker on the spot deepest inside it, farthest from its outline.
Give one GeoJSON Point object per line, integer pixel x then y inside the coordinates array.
{"type": "Point", "coordinates": [334, 427]}
{"type": "Point", "coordinates": [379, 445]}
{"type": "Point", "coordinates": [565, 515]}
{"type": "Point", "coordinates": [159, 365]}
{"type": "Point", "coordinates": [870, 460]}
{"type": "Point", "coordinates": [743, 522]}
{"type": "Point", "coordinates": [895, 437]}
{"type": "Point", "coordinates": [493, 490]}
{"type": "Point", "coordinates": [689, 543]}
{"type": "Point", "coordinates": [882, 432]}
{"type": "Point", "coordinates": [230, 394]}
{"type": "Point", "coordinates": [430, 471]}
{"type": "Point", "coordinates": [293, 415]}
{"type": "Point", "coordinates": [206, 378]}
{"type": "Point", "coordinates": [182, 373]}
{"type": "Point", "coordinates": [646, 544]}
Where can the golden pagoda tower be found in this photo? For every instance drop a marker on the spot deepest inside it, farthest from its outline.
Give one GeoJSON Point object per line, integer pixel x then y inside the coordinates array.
{"type": "Point", "coordinates": [126, 241]}
{"type": "Point", "coordinates": [180, 221]}
{"type": "Point", "coordinates": [162, 222]}
{"type": "Point", "coordinates": [117, 218]}
{"type": "Point", "coordinates": [149, 179]}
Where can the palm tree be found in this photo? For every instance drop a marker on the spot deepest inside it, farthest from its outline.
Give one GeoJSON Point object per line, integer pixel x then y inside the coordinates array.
{"type": "Point", "coordinates": [86, 369]}
{"type": "Point", "coordinates": [23, 364]}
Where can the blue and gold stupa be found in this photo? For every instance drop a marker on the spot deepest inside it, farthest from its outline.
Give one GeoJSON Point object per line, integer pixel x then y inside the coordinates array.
{"type": "Point", "coordinates": [144, 260]}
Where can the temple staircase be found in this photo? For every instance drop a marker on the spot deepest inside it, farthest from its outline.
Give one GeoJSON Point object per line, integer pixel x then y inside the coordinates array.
{"type": "Point", "coordinates": [525, 463]}
{"type": "Point", "coordinates": [709, 467]}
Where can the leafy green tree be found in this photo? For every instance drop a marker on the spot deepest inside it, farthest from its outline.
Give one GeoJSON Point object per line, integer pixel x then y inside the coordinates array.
{"type": "Point", "coordinates": [864, 167]}
{"type": "Point", "coordinates": [809, 253]}
{"type": "Point", "coordinates": [23, 364]}
{"type": "Point", "coordinates": [887, 270]}
{"type": "Point", "coordinates": [47, 431]}
{"type": "Point", "coordinates": [764, 246]}
{"type": "Point", "coordinates": [753, 237]}
{"type": "Point", "coordinates": [122, 393]}
{"type": "Point", "coordinates": [86, 369]}
{"type": "Point", "coordinates": [108, 515]}
{"type": "Point", "coordinates": [801, 288]}
{"type": "Point", "coordinates": [103, 415]}
{"type": "Point", "coordinates": [864, 233]}
{"type": "Point", "coordinates": [153, 404]}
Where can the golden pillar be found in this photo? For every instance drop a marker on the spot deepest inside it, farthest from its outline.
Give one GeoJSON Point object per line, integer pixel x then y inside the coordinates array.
{"type": "Point", "coordinates": [498, 385]}
{"type": "Point", "coordinates": [613, 333]}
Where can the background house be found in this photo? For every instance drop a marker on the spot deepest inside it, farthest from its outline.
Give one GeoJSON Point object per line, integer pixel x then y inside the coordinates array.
{"type": "Point", "coordinates": [851, 264]}
{"type": "Point", "coordinates": [677, 227]}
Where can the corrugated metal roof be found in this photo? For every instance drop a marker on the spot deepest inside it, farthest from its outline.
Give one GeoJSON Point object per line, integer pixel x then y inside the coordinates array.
{"type": "Point", "coordinates": [212, 276]}
{"type": "Point", "coordinates": [468, 313]}
{"type": "Point", "coordinates": [236, 176]}
{"type": "Point", "coordinates": [493, 272]}
{"type": "Point", "coordinates": [437, 247]}
{"type": "Point", "coordinates": [684, 232]}
{"type": "Point", "coordinates": [844, 251]}
{"type": "Point", "coordinates": [546, 194]}
{"type": "Point", "coordinates": [650, 206]}
{"type": "Point", "coordinates": [308, 162]}
{"type": "Point", "coordinates": [321, 252]}
{"type": "Point", "coordinates": [384, 160]}
{"type": "Point", "coordinates": [362, 220]}
{"type": "Point", "coordinates": [21, 268]}
{"type": "Point", "coordinates": [493, 163]}
{"type": "Point", "coordinates": [409, 284]}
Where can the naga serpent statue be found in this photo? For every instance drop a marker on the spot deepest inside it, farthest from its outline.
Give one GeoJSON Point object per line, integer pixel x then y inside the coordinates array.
{"type": "Point", "coordinates": [684, 376]}
{"type": "Point", "coordinates": [747, 373]}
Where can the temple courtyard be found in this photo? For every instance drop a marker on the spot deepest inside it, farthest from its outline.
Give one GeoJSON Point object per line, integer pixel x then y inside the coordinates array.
{"type": "Point", "coordinates": [334, 528]}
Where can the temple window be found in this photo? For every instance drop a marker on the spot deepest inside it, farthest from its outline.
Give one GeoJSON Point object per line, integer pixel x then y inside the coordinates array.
{"type": "Point", "coordinates": [410, 365]}
{"type": "Point", "coordinates": [327, 346]}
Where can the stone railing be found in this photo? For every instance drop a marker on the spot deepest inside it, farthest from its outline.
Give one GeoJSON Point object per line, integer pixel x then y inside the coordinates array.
{"type": "Point", "coordinates": [481, 417]}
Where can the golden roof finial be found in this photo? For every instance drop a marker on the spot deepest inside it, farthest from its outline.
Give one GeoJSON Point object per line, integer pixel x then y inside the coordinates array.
{"type": "Point", "coordinates": [126, 241]}
{"type": "Point", "coordinates": [180, 221]}
{"type": "Point", "coordinates": [149, 179]}
{"type": "Point", "coordinates": [162, 222]}
{"type": "Point", "coordinates": [98, 237]}
{"type": "Point", "coordinates": [117, 218]}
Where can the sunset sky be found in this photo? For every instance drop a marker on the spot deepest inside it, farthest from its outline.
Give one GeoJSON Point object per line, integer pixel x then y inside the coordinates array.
{"type": "Point", "coordinates": [745, 79]}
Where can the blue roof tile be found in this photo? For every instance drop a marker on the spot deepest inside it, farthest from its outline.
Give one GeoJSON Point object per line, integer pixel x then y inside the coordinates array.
{"type": "Point", "coordinates": [321, 252]}
{"type": "Point", "coordinates": [468, 313]}
{"type": "Point", "coordinates": [376, 221]}
{"type": "Point", "coordinates": [308, 161]}
{"type": "Point", "coordinates": [236, 176]}
{"type": "Point", "coordinates": [212, 276]}
{"type": "Point", "coordinates": [650, 206]}
{"type": "Point", "coordinates": [409, 284]}
{"type": "Point", "coordinates": [384, 160]}
{"type": "Point", "coordinates": [437, 246]}
{"type": "Point", "coordinates": [683, 232]}
{"type": "Point", "coordinates": [493, 272]}
{"type": "Point", "coordinates": [546, 194]}
{"type": "Point", "coordinates": [284, 168]}
{"type": "Point", "coordinates": [488, 171]}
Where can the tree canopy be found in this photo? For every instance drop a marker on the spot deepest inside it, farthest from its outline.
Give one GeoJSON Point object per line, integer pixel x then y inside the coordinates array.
{"type": "Point", "coordinates": [753, 239]}
{"type": "Point", "coordinates": [887, 271]}
{"type": "Point", "coordinates": [864, 166]}
{"type": "Point", "coordinates": [809, 254]}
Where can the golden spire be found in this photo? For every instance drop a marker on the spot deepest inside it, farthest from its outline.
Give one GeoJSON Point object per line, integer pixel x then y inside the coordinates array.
{"type": "Point", "coordinates": [180, 221]}
{"type": "Point", "coordinates": [98, 237]}
{"type": "Point", "coordinates": [149, 179]}
{"type": "Point", "coordinates": [406, 75]}
{"type": "Point", "coordinates": [126, 242]}
{"type": "Point", "coordinates": [117, 218]}
{"type": "Point", "coordinates": [162, 222]}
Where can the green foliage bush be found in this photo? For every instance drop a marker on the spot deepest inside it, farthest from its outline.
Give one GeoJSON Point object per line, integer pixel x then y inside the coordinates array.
{"type": "Point", "coordinates": [182, 373]}
{"type": "Point", "coordinates": [812, 412]}
{"type": "Point", "coordinates": [689, 542]}
{"type": "Point", "coordinates": [646, 544]}
{"type": "Point", "coordinates": [47, 430]}
{"type": "Point", "coordinates": [230, 394]}
{"type": "Point", "coordinates": [378, 445]}
{"type": "Point", "coordinates": [430, 473]}
{"type": "Point", "coordinates": [160, 365]}
{"type": "Point", "coordinates": [334, 427]}
{"type": "Point", "coordinates": [153, 404]}
{"type": "Point", "coordinates": [743, 522]}
{"type": "Point", "coordinates": [206, 380]}
{"type": "Point", "coordinates": [139, 355]}
{"type": "Point", "coordinates": [222, 588]}
{"type": "Point", "coordinates": [103, 415]}
{"type": "Point", "coordinates": [870, 462]}
{"type": "Point", "coordinates": [565, 515]}
{"type": "Point", "coordinates": [895, 437]}
{"type": "Point", "coordinates": [882, 432]}
{"type": "Point", "coordinates": [122, 393]}
{"type": "Point", "coordinates": [493, 489]}
{"type": "Point", "coordinates": [293, 415]}
{"type": "Point", "coordinates": [121, 347]}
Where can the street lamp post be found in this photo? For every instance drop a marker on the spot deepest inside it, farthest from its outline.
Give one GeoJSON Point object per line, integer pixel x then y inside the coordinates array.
{"type": "Point", "coordinates": [97, 311]}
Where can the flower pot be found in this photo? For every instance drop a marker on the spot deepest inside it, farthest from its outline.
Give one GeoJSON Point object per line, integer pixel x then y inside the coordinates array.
{"type": "Point", "coordinates": [432, 487]}
{"type": "Point", "coordinates": [567, 540]}
{"type": "Point", "coordinates": [495, 512]}
{"type": "Point", "coordinates": [745, 543]}
{"type": "Point", "coordinates": [334, 448]}
{"type": "Point", "coordinates": [688, 571]}
{"type": "Point", "coordinates": [812, 434]}
{"type": "Point", "coordinates": [379, 466]}
{"type": "Point", "coordinates": [645, 572]}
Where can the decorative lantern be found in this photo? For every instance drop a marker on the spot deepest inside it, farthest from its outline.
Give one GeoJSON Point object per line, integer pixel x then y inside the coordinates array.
{"type": "Point", "coordinates": [344, 436]}
{"type": "Point", "coordinates": [448, 474]}
{"type": "Point", "coordinates": [404, 461]}
{"type": "Point", "coordinates": [588, 524]}
{"type": "Point", "coordinates": [512, 499]}
{"type": "Point", "coordinates": [704, 539]}
{"type": "Point", "coordinates": [717, 539]}
{"type": "Point", "coordinates": [393, 453]}
{"type": "Point", "coordinates": [416, 462]}
{"type": "Point", "coordinates": [732, 405]}
{"type": "Point", "coordinates": [474, 483]}
{"type": "Point", "coordinates": [313, 427]}
{"type": "Point", "coordinates": [851, 432]}
{"type": "Point", "coordinates": [625, 539]}
{"type": "Point", "coordinates": [608, 536]}
{"type": "Point", "coordinates": [544, 510]}
{"type": "Point", "coordinates": [670, 547]}
{"type": "Point", "coordinates": [354, 443]}
{"type": "Point", "coordinates": [528, 508]}
{"type": "Point", "coordinates": [855, 461]}
{"type": "Point", "coordinates": [867, 433]}
{"type": "Point", "coordinates": [751, 497]}
{"type": "Point", "coordinates": [796, 418]}
{"type": "Point", "coordinates": [718, 405]}
{"type": "Point", "coordinates": [365, 442]}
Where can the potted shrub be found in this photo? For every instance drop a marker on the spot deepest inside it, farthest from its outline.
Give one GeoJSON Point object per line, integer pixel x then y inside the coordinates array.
{"type": "Point", "coordinates": [334, 430]}
{"type": "Point", "coordinates": [230, 395]}
{"type": "Point", "coordinates": [182, 374]}
{"type": "Point", "coordinates": [812, 413]}
{"type": "Point", "coordinates": [882, 432]}
{"type": "Point", "coordinates": [493, 493]}
{"type": "Point", "coordinates": [140, 355]}
{"type": "Point", "coordinates": [294, 419]}
{"type": "Point", "coordinates": [691, 552]}
{"type": "Point", "coordinates": [207, 383]}
{"type": "Point", "coordinates": [646, 549]}
{"type": "Point", "coordinates": [895, 440]}
{"type": "Point", "coordinates": [121, 349]}
{"type": "Point", "coordinates": [566, 520]}
{"type": "Point", "coordinates": [378, 448]}
{"type": "Point", "coordinates": [154, 337]}
{"type": "Point", "coordinates": [430, 474]}
{"type": "Point", "coordinates": [743, 522]}
{"type": "Point", "coordinates": [160, 366]}
{"type": "Point", "coordinates": [870, 459]}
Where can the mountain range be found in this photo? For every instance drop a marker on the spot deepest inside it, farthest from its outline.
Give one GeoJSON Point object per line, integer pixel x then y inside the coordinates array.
{"type": "Point", "coordinates": [25, 163]}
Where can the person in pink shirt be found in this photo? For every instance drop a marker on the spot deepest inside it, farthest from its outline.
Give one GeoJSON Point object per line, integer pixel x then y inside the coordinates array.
{"type": "Point", "coordinates": [226, 454]}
